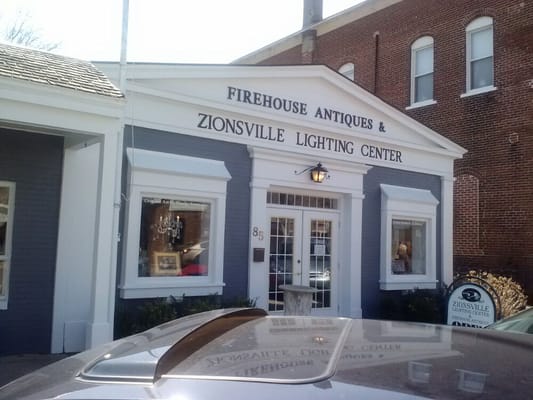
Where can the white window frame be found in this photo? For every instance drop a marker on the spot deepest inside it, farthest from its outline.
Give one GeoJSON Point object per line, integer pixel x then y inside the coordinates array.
{"type": "Point", "coordinates": [405, 203]}
{"type": "Point", "coordinates": [348, 70]}
{"type": "Point", "coordinates": [477, 25]}
{"type": "Point", "coordinates": [420, 44]}
{"type": "Point", "coordinates": [155, 174]}
{"type": "Point", "coordinates": [6, 258]}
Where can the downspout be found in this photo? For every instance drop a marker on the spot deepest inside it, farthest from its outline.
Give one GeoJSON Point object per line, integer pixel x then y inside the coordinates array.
{"type": "Point", "coordinates": [376, 54]}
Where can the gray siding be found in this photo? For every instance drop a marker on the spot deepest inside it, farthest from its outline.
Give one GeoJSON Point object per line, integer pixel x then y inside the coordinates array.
{"type": "Point", "coordinates": [372, 227]}
{"type": "Point", "coordinates": [34, 163]}
{"type": "Point", "coordinates": [238, 163]}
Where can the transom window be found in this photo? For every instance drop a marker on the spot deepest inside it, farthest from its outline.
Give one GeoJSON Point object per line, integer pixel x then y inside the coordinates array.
{"type": "Point", "coordinates": [480, 54]}
{"type": "Point", "coordinates": [300, 200]}
{"type": "Point", "coordinates": [422, 70]}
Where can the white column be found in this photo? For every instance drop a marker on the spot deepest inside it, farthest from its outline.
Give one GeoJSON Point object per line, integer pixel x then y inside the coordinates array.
{"type": "Point", "coordinates": [447, 229]}
{"type": "Point", "coordinates": [356, 247]}
{"type": "Point", "coordinates": [100, 328]}
{"type": "Point", "coordinates": [75, 248]}
{"type": "Point", "coordinates": [259, 234]}
{"type": "Point", "coordinates": [350, 261]}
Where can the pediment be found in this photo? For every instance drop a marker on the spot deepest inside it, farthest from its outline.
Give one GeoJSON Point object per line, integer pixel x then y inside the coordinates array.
{"type": "Point", "coordinates": [310, 100]}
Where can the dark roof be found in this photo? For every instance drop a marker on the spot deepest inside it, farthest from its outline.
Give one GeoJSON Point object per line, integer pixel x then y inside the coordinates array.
{"type": "Point", "coordinates": [55, 70]}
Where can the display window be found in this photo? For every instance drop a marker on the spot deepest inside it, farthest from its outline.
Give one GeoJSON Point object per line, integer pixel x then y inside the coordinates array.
{"type": "Point", "coordinates": [408, 247]}
{"type": "Point", "coordinates": [174, 231]}
{"type": "Point", "coordinates": [7, 205]}
{"type": "Point", "coordinates": [174, 237]}
{"type": "Point", "coordinates": [408, 238]}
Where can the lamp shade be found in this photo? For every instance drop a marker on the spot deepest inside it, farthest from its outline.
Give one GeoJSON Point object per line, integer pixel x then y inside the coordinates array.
{"type": "Point", "coordinates": [319, 173]}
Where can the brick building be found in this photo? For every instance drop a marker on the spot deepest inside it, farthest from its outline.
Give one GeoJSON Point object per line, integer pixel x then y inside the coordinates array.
{"type": "Point", "coordinates": [463, 68]}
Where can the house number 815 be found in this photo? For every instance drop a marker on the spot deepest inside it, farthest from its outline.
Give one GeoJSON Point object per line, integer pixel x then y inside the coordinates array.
{"type": "Point", "coordinates": [257, 233]}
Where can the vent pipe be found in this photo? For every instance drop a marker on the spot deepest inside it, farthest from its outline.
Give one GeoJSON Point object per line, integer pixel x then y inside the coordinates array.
{"type": "Point", "coordinates": [311, 15]}
{"type": "Point", "coordinates": [312, 12]}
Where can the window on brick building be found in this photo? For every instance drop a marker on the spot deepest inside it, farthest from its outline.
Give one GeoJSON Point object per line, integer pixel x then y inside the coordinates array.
{"type": "Point", "coordinates": [480, 55]}
{"type": "Point", "coordinates": [7, 205]}
{"type": "Point", "coordinates": [422, 71]}
{"type": "Point", "coordinates": [348, 70]}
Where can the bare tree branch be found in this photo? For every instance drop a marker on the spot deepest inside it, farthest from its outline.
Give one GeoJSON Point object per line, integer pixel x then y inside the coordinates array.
{"type": "Point", "coordinates": [22, 33]}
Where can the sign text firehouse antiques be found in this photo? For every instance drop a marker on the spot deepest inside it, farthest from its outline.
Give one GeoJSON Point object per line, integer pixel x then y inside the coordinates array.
{"type": "Point", "coordinates": [346, 119]}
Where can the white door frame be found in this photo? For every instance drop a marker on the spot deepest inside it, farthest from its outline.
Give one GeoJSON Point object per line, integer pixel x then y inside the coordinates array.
{"type": "Point", "coordinates": [294, 267]}
{"type": "Point", "coordinates": [276, 171]}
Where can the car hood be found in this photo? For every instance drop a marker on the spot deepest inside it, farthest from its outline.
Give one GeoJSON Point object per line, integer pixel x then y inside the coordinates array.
{"type": "Point", "coordinates": [247, 354]}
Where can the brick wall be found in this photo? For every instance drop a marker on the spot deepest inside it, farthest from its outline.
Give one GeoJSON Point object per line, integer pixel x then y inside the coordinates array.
{"type": "Point", "coordinates": [495, 127]}
{"type": "Point", "coordinates": [466, 215]}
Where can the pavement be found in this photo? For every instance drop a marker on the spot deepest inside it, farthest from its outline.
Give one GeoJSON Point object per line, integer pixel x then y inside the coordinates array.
{"type": "Point", "coordinates": [15, 366]}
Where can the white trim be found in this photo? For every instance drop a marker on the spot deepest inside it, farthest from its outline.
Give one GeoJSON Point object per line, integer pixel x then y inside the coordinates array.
{"type": "Point", "coordinates": [176, 164]}
{"type": "Point", "coordinates": [156, 174]}
{"type": "Point", "coordinates": [6, 258]}
{"type": "Point", "coordinates": [479, 23]}
{"type": "Point", "coordinates": [101, 323]}
{"type": "Point", "coordinates": [140, 92]}
{"type": "Point", "coordinates": [74, 280]}
{"type": "Point", "coordinates": [57, 110]}
{"type": "Point", "coordinates": [447, 229]}
{"type": "Point", "coordinates": [352, 232]}
{"type": "Point", "coordinates": [485, 89]}
{"type": "Point", "coordinates": [179, 290]}
{"type": "Point", "coordinates": [275, 170]}
{"type": "Point", "coordinates": [413, 204]}
{"type": "Point", "coordinates": [421, 104]}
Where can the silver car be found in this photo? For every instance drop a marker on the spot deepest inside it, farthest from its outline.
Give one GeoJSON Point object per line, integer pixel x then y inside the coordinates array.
{"type": "Point", "coordinates": [247, 354]}
{"type": "Point", "coordinates": [521, 322]}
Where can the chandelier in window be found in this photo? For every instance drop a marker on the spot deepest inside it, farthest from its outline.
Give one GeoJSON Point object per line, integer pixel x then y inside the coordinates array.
{"type": "Point", "coordinates": [169, 226]}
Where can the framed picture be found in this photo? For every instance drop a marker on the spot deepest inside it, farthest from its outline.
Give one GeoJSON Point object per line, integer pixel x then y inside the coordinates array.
{"type": "Point", "coordinates": [166, 264]}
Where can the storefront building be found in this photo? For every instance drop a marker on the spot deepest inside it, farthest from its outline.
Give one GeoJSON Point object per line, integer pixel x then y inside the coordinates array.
{"type": "Point", "coordinates": [234, 180]}
{"type": "Point", "coordinates": [219, 198]}
{"type": "Point", "coordinates": [60, 124]}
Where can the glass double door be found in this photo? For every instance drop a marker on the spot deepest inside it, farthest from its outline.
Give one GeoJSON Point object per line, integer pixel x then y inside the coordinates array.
{"type": "Point", "coordinates": [303, 251]}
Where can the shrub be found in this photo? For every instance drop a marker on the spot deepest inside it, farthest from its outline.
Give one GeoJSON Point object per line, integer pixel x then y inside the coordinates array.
{"type": "Point", "coordinates": [511, 295]}
{"type": "Point", "coordinates": [149, 313]}
{"type": "Point", "coordinates": [419, 305]}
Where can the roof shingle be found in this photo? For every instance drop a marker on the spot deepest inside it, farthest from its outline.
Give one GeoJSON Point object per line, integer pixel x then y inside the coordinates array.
{"type": "Point", "coordinates": [55, 70]}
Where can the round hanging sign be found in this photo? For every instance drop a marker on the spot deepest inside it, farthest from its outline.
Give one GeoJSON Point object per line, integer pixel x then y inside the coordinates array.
{"type": "Point", "coordinates": [471, 305]}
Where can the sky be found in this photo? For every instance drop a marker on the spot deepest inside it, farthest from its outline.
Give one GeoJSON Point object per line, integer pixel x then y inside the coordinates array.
{"type": "Point", "coordinates": [177, 31]}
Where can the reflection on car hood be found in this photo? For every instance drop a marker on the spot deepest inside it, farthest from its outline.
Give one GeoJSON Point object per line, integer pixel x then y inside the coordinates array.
{"type": "Point", "coordinates": [236, 353]}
